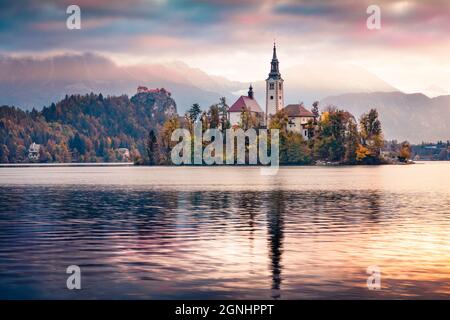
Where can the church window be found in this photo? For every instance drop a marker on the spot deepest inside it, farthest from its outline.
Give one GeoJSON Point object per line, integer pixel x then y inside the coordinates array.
{"type": "Point", "coordinates": [279, 86]}
{"type": "Point", "coordinates": [271, 97]}
{"type": "Point", "coordinates": [271, 86]}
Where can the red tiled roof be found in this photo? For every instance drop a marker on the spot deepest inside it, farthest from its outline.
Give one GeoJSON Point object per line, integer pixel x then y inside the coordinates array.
{"type": "Point", "coordinates": [297, 110]}
{"type": "Point", "coordinates": [245, 102]}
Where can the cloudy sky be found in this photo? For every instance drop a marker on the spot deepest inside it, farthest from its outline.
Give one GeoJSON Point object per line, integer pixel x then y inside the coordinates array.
{"type": "Point", "coordinates": [233, 38]}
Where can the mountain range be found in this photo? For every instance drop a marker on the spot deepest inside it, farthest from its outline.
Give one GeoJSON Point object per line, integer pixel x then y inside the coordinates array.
{"type": "Point", "coordinates": [413, 117]}
{"type": "Point", "coordinates": [36, 82]}
{"type": "Point", "coordinates": [33, 83]}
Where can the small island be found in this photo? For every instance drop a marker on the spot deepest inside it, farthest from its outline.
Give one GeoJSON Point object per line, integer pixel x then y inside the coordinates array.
{"type": "Point", "coordinates": [92, 128]}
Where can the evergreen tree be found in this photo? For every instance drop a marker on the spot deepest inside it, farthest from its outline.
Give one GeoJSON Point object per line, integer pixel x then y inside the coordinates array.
{"type": "Point", "coordinates": [352, 142]}
{"type": "Point", "coordinates": [330, 143]}
{"type": "Point", "coordinates": [315, 111]}
{"type": "Point", "coordinates": [194, 112]}
{"type": "Point", "coordinates": [152, 148]}
{"type": "Point", "coordinates": [225, 123]}
{"type": "Point", "coordinates": [4, 154]}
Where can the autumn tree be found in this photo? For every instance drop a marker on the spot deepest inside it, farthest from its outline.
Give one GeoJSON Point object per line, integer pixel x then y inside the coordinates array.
{"type": "Point", "coordinates": [248, 120]}
{"type": "Point", "coordinates": [371, 136]}
{"type": "Point", "coordinates": [166, 137]}
{"type": "Point", "coordinates": [214, 116]}
{"type": "Point", "coordinates": [204, 118]}
{"type": "Point", "coordinates": [405, 152]}
{"type": "Point", "coordinates": [279, 121]}
{"type": "Point", "coordinates": [294, 150]}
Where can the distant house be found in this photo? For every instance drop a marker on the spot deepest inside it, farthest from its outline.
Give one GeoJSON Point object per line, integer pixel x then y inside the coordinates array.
{"type": "Point", "coordinates": [124, 154]}
{"type": "Point", "coordinates": [389, 155]}
{"type": "Point", "coordinates": [245, 103]}
{"type": "Point", "coordinates": [298, 117]}
{"type": "Point", "coordinates": [33, 151]}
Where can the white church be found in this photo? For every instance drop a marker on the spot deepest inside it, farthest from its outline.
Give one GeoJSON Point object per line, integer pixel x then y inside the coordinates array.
{"type": "Point", "coordinates": [298, 115]}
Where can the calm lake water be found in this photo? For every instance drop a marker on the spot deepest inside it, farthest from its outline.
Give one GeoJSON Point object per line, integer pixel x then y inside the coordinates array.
{"type": "Point", "coordinates": [209, 233]}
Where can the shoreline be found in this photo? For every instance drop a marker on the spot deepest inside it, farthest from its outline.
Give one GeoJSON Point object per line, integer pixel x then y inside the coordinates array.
{"type": "Point", "coordinates": [56, 165]}
{"type": "Point", "coordinates": [131, 164]}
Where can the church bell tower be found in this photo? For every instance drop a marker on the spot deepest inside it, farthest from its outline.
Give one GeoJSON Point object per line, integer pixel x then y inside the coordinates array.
{"type": "Point", "coordinates": [274, 87]}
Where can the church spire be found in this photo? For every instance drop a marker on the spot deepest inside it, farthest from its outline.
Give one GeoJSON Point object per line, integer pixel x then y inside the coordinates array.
{"type": "Point", "coordinates": [274, 87]}
{"type": "Point", "coordinates": [250, 92]}
{"type": "Point", "coordinates": [274, 65]}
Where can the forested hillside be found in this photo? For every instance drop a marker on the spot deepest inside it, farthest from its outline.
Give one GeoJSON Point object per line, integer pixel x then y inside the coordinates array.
{"type": "Point", "coordinates": [85, 128]}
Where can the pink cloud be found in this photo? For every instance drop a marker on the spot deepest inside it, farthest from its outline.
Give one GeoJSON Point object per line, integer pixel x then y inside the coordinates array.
{"type": "Point", "coordinates": [251, 19]}
{"type": "Point", "coordinates": [158, 41]}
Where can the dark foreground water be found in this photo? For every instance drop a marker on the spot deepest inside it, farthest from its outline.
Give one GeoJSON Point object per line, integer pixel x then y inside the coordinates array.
{"type": "Point", "coordinates": [191, 233]}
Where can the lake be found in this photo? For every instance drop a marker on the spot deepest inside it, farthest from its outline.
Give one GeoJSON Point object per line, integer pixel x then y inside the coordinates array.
{"type": "Point", "coordinates": [225, 232]}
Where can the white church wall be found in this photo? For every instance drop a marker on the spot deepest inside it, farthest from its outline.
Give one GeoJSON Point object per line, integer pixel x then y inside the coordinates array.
{"type": "Point", "coordinates": [235, 118]}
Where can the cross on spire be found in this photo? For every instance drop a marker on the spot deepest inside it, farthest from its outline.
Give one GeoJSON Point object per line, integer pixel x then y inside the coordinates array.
{"type": "Point", "coordinates": [274, 50]}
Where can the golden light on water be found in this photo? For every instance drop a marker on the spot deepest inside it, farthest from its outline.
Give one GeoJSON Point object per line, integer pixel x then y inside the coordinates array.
{"type": "Point", "coordinates": [307, 232]}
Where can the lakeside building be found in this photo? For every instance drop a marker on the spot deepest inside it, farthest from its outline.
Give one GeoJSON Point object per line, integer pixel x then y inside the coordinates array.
{"type": "Point", "coordinates": [124, 154]}
{"type": "Point", "coordinates": [298, 115]}
{"type": "Point", "coordinates": [247, 103]}
{"type": "Point", "coordinates": [274, 87]}
{"type": "Point", "coordinates": [33, 151]}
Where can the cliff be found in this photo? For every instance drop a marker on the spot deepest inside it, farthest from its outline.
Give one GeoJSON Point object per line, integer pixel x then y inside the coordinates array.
{"type": "Point", "coordinates": [157, 103]}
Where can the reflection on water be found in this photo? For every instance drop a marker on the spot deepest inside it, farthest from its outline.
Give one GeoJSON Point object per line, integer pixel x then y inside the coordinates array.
{"type": "Point", "coordinates": [275, 226]}
{"type": "Point", "coordinates": [178, 236]}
